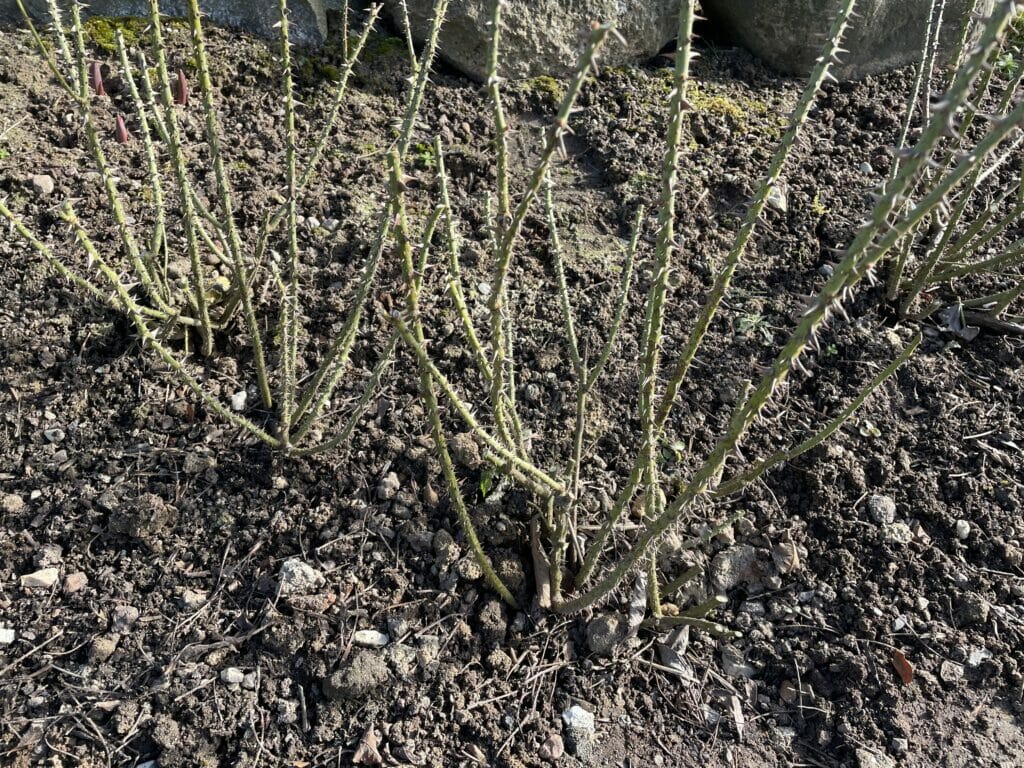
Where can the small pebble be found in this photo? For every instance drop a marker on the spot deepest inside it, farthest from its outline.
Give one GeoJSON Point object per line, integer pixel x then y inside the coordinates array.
{"type": "Point", "coordinates": [103, 648]}
{"type": "Point", "coordinates": [193, 599]}
{"type": "Point", "coordinates": [75, 582]}
{"type": "Point", "coordinates": [299, 578]}
{"type": "Point", "coordinates": [898, 533]}
{"type": "Point", "coordinates": [777, 198]}
{"type": "Point", "coordinates": [123, 617]}
{"type": "Point", "coordinates": [882, 509]}
{"type": "Point", "coordinates": [232, 676]}
{"type": "Point", "coordinates": [55, 435]}
{"type": "Point", "coordinates": [388, 487]}
{"type": "Point", "coordinates": [48, 555]}
{"type": "Point", "coordinates": [12, 503]}
{"type": "Point", "coordinates": [552, 749]}
{"type": "Point", "coordinates": [370, 638]}
{"type": "Point", "coordinates": [6, 636]}
{"type": "Point", "coordinates": [44, 578]}
{"type": "Point", "coordinates": [238, 400]}
{"type": "Point", "coordinates": [899, 747]}
{"type": "Point", "coordinates": [866, 168]}
{"type": "Point", "coordinates": [42, 184]}
{"type": "Point", "coordinates": [249, 681]}
{"type": "Point", "coordinates": [963, 529]}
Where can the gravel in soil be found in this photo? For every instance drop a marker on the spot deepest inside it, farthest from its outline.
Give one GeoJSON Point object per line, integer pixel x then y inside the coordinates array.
{"type": "Point", "coordinates": [170, 591]}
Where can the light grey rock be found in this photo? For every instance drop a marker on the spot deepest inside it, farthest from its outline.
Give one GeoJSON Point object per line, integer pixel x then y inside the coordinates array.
{"type": "Point", "coordinates": [364, 675]}
{"type": "Point", "coordinates": [789, 34]}
{"type": "Point", "coordinates": [12, 504]}
{"type": "Point", "coordinates": [239, 399]}
{"type": "Point", "coordinates": [897, 533]}
{"type": "Point", "coordinates": [580, 732]}
{"type": "Point", "coordinates": [307, 19]}
{"type": "Point", "coordinates": [370, 638]}
{"type": "Point", "coordinates": [42, 184]}
{"type": "Point", "coordinates": [232, 676]}
{"type": "Point", "coordinates": [963, 529]}
{"type": "Point", "coordinates": [734, 566]}
{"type": "Point", "coordinates": [7, 636]}
{"type": "Point", "coordinates": [48, 556]}
{"type": "Point", "coordinates": [44, 578]}
{"type": "Point", "coordinates": [882, 509]}
{"type": "Point", "coordinates": [734, 663]}
{"type": "Point", "coordinates": [388, 487]}
{"type": "Point", "coordinates": [543, 37]}
{"type": "Point", "coordinates": [299, 578]}
{"type": "Point", "coordinates": [552, 749]}
{"type": "Point", "coordinates": [103, 647]}
{"type": "Point", "coordinates": [867, 758]}
{"type": "Point", "coordinates": [123, 617]}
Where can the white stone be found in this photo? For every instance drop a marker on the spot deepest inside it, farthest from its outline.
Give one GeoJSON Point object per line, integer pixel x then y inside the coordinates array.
{"type": "Point", "coordinates": [963, 529]}
{"type": "Point", "coordinates": [232, 676]}
{"type": "Point", "coordinates": [370, 638]}
{"type": "Point", "coordinates": [238, 400]}
{"type": "Point", "coordinates": [578, 719]}
{"type": "Point", "coordinates": [44, 578]}
{"type": "Point", "coordinates": [6, 636]}
{"type": "Point", "coordinates": [299, 578]}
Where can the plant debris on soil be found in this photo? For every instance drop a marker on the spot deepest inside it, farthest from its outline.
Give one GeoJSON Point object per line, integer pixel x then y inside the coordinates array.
{"type": "Point", "coordinates": [172, 592]}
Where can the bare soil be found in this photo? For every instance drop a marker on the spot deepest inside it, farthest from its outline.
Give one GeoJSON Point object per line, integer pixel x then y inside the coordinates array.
{"type": "Point", "coordinates": [166, 636]}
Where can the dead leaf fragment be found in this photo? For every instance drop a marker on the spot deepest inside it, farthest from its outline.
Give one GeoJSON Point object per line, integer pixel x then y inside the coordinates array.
{"type": "Point", "coordinates": [903, 667]}
{"type": "Point", "coordinates": [366, 751]}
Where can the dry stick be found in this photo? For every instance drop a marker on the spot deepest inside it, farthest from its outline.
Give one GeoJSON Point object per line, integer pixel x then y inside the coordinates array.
{"type": "Point", "coordinates": [311, 163]}
{"type": "Point", "coordinates": [938, 250]}
{"type": "Point", "coordinates": [535, 479]}
{"type": "Point", "coordinates": [724, 277]}
{"type": "Point", "coordinates": [1011, 257]}
{"type": "Point", "coordinates": [197, 203]}
{"type": "Point", "coordinates": [932, 50]}
{"type": "Point", "coordinates": [427, 385]}
{"type": "Point", "coordinates": [566, 517]}
{"type": "Point", "coordinates": [331, 368]}
{"type": "Point", "coordinates": [586, 379]}
{"type": "Point", "coordinates": [899, 263]}
{"type": "Point", "coordinates": [499, 387]}
{"type": "Point", "coordinates": [69, 274]}
{"type": "Point", "coordinates": [967, 239]}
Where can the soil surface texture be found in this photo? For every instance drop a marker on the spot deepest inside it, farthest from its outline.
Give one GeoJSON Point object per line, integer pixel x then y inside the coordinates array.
{"type": "Point", "coordinates": [172, 591]}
